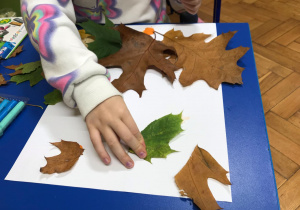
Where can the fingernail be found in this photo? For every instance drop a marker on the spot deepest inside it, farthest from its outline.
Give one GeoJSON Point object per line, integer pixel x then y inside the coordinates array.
{"type": "Point", "coordinates": [106, 161]}
{"type": "Point", "coordinates": [129, 164]}
{"type": "Point", "coordinates": [142, 154]}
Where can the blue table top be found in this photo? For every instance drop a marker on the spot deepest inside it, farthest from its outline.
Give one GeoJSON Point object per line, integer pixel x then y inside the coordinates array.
{"type": "Point", "coordinates": [251, 169]}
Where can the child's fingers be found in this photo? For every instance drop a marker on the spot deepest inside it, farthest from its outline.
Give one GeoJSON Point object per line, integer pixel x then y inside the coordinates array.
{"type": "Point", "coordinates": [130, 123]}
{"type": "Point", "coordinates": [115, 146]}
{"type": "Point", "coordinates": [127, 136]}
{"type": "Point", "coordinates": [98, 145]}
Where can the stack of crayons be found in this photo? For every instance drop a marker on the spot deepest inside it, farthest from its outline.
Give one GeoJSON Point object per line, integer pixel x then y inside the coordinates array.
{"type": "Point", "coordinates": [9, 109]}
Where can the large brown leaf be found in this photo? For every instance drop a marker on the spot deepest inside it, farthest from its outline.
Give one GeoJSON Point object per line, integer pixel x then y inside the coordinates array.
{"type": "Point", "coordinates": [192, 179]}
{"type": "Point", "coordinates": [139, 51]}
{"type": "Point", "coordinates": [70, 153]}
{"type": "Point", "coordinates": [206, 61]}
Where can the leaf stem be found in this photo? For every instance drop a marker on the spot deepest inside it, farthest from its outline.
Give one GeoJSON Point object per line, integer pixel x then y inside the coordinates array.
{"type": "Point", "coordinates": [160, 33]}
{"type": "Point", "coordinates": [35, 105]}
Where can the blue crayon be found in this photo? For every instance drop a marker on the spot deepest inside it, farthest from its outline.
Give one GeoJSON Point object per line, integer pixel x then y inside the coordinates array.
{"type": "Point", "coordinates": [3, 104]}
{"type": "Point", "coordinates": [7, 109]}
{"type": "Point", "coordinates": [11, 116]}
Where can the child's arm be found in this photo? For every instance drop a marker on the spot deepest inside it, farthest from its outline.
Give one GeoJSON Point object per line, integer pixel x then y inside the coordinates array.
{"type": "Point", "coordinates": [191, 6]}
{"type": "Point", "coordinates": [70, 67]}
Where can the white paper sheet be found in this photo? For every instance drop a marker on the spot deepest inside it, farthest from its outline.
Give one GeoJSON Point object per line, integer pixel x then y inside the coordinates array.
{"type": "Point", "coordinates": [204, 125]}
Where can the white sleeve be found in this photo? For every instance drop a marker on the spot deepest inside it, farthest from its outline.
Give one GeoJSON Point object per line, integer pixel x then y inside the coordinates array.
{"type": "Point", "coordinates": [68, 65]}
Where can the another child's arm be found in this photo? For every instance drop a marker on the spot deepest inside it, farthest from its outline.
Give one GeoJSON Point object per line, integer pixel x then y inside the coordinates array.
{"type": "Point", "coordinates": [70, 67]}
{"type": "Point", "coordinates": [191, 6]}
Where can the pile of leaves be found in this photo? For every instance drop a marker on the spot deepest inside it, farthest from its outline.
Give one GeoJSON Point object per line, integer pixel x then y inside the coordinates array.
{"type": "Point", "coordinates": [33, 73]}
{"type": "Point", "coordinates": [135, 52]}
{"type": "Point", "coordinates": [200, 61]}
{"type": "Point", "coordinates": [17, 51]}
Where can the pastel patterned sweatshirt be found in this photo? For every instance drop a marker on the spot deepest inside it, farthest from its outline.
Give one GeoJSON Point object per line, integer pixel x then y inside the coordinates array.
{"type": "Point", "coordinates": [68, 65]}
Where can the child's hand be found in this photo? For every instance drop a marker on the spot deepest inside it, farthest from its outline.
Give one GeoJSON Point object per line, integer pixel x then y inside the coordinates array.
{"type": "Point", "coordinates": [191, 6]}
{"type": "Point", "coordinates": [113, 121]}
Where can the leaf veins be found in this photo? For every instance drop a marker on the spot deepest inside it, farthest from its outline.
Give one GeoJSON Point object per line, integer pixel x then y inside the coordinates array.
{"type": "Point", "coordinates": [206, 61]}
{"type": "Point", "coordinates": [139, 51]}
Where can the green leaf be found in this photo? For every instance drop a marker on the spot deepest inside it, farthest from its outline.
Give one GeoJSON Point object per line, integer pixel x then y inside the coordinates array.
{"type": "Point", "coordinates": [108, 22]}
{"type": "Point", "coordinates": [107, 41]}
{"type": "Point", "coordinates": [53, 97]}
{"type": "Point", "coordinates": [159, 133]}
{"type": "Point", "coordinates": [33, 77]}
{"type": "Point", "coordinates": [29, 67]}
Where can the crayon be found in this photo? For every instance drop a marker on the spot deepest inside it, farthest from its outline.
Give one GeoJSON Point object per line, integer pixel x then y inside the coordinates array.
{"type": "Point", "coordinates": [7, 109]}
{"type": "Point", "coordinates": [11, 116]}
{"type": "Point", "coordinates": [3, 104]}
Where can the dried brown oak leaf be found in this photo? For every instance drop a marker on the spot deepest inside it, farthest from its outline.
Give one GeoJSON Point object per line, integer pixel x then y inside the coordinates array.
{"type": "Point", "coordinates": [192, 179]}
{"type": "Point", "coordinates": [206, 61]}
{"type": "Point", "coordinates": [70, 153]}
{"type": "Point", "coordinates": [139, 51]}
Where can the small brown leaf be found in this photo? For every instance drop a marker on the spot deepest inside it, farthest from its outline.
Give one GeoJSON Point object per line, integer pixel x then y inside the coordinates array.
{"type": "Point", "coordinates": [192, 179]}
{"type": "Point", "coordinates": [206, 61]}
{"type": "Point", "coordinates": [16, 51]}
{"type": "Point", "coordinates": [2, 80]}
{"type": "Point", "coordinates": [13, 67]}
{"type": "Point", "coordinates": [139, 51]}
{"type": "Point", "coordinates": [70, 153]}
{"type": "Point", "coordinates": [16, 73]}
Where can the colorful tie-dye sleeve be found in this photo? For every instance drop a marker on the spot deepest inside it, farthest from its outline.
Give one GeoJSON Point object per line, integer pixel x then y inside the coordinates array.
{"type": "Point", "coordinates": [104, 7]}
{"type": "Point", "coordinates": [62, 82]}
{"type": "Point", "coordinates": [67, 63]}
{"type": "Point", "coordinates": [40, 27]}
{"type": "Point", "coordinates": [63, 3]}
{"type": "Point", "coordinates": [160, 10]}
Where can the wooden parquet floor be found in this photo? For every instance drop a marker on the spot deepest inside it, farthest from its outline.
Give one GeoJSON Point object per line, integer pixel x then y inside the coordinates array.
{"type": "Point", "coordinates": [275, 32]}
